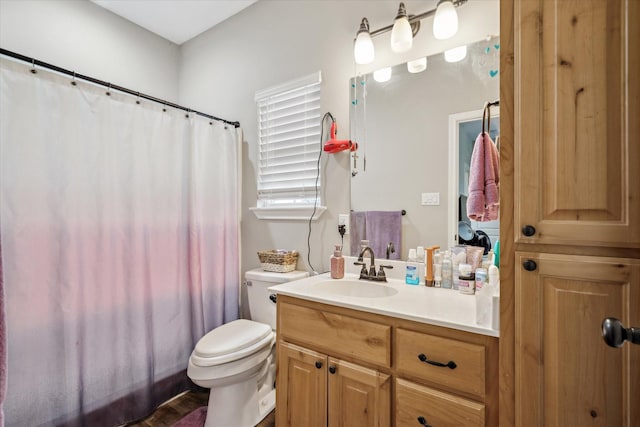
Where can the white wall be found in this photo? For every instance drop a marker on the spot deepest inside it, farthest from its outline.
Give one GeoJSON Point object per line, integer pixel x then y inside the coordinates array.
{"type": "Point", "coordinates": [80, 36]}
{"type": "Point", "coordinates": [274, 41]}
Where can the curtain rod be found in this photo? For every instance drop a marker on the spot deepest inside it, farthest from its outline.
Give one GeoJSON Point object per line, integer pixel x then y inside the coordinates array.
{"type": "Point", "coordinates": [42, 64]}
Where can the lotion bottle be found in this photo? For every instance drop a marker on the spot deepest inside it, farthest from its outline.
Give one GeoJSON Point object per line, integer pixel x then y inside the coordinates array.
{"type": "Point", "coordinates": [337, 263]}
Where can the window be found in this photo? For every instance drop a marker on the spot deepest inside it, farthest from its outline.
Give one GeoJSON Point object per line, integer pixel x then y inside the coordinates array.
{"type": "Point", "coordinates": [289, 127]}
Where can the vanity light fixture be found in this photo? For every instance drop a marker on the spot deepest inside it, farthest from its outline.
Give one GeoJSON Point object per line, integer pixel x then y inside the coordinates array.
{"type": "Point", "coordinates": [401, 34]}
{"type": "Point", "coordinates": [382, 75]}
{"type": "Point", "coordinates": [445, 23]}
{"type": "Point", "coordinates": [456, 54]}
{"type": "Point", "coordinates": [363, 49]}
{"type": "Point", "coordinates": [405, 28]}
{"type": "Point", "coordinates": [417, 65]}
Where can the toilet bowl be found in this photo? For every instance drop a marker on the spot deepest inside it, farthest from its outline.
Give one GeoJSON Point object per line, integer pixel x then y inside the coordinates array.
{"type": "Point", "coordinates": [237, 360]}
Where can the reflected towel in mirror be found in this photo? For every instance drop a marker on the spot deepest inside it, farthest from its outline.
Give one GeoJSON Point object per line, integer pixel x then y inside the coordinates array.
{"type": "Point", "coordinates": [380, 228]}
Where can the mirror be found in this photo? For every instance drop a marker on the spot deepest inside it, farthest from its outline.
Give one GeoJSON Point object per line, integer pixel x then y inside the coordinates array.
{"type": "Point", "coordinates": [404, 130]}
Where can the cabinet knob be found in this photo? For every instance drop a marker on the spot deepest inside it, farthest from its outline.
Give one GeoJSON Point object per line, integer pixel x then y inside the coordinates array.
{"type": "Point", "coordinates": [318, 364]}
{"type": "Point", "coordinates": [530, 265]}
{"type": "Point", "coordinates": [332, 369]}
{"type": "Point", "coordinates": [423, 422]}
{"type": "Point", "coordinates": [528, 230]}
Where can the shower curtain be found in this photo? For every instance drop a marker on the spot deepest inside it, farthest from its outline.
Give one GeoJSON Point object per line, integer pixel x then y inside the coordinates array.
{"type": "Point", "coordinates": [119, 238]}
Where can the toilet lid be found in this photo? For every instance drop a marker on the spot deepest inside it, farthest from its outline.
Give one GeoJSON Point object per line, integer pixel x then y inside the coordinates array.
{"type": "Point", "coordinates": [231, 338]}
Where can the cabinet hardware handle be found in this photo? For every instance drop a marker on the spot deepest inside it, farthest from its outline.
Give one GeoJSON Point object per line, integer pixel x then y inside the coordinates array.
{"type": "Point", "coordinates": [332, 369]}
{"type": "Point", "coordinates": [615, 334]}
{"type": "Point", "coordinates": [273, 297]}
{"type": "Point", "coordinates": [318, 364]}
{"type": "Point", "coordinates": [530, 265]}
{"type": "Point", "coordinates": [528, 230]}
{"type": "Point", "coordinates": [423, 422]}
{"type": "Point", "coordinates": [450, 364]}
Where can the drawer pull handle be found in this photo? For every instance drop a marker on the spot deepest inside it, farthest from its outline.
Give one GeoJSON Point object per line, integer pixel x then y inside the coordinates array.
{"type": "Point", "coordinates": [450, 364]}
{"type": "Point", "coordinates": [423, 421]}
{"type": "Point", "coordinates": [318, 364]}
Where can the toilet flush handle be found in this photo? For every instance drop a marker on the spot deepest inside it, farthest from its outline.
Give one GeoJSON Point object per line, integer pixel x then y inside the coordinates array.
{"type": "Point", "coordinates": [273, 297]}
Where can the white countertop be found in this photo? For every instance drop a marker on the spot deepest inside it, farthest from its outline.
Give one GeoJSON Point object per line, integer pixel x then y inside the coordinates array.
{"type": "Point", "coordinates": [435, 306]}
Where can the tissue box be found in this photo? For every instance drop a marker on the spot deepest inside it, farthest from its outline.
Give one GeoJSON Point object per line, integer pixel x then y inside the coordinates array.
{"type": "Point", "coordinates": [278, 260]}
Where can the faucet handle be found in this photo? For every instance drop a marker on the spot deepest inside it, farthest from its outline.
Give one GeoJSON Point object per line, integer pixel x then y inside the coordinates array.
{"type": "Point", "coordinates": [363, 270]}
{"type": "Point", "coordinates": [381, 274]}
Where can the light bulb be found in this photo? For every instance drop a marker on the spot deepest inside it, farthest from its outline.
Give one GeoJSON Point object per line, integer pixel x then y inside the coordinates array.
{"type": "Point", "coordinates": [363, 51]}
{"type": "Point", "coordinates": [401, 34]}
{"type": "Point", "coordinates": [445, 23]}
{"type": "Point", "coordinates": [456, 54]}
{"type": "Point", "coordinates": [417, 65]}
{"type": "Point", "coordinates": [382, 75]}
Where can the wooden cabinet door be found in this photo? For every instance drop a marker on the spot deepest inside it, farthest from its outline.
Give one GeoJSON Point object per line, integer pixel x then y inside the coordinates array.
{"type": "Point", "coordinates": [358, 396]}
{"type": "Point", "coordinates": [577, 122]}
{"type": "Point", "coordinates": [565, 374]}
{"type": "Point", "coordinates": [301, 398]}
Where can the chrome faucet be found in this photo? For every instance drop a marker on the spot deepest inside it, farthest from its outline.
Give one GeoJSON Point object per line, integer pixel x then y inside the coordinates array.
{"type": "Point", "coordinates": [371, 274]}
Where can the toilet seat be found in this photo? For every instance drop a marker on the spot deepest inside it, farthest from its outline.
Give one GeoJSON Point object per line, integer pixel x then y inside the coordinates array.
{"type": "Point", "coordinates": [232, 341]}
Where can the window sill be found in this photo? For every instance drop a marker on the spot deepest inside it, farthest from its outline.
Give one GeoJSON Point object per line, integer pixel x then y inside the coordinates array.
{"type": "Point", "coordinates": [289, 213]}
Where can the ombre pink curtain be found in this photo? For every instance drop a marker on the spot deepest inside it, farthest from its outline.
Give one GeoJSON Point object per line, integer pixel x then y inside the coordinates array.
{"type": "Point", "coordinates": [120, 247]}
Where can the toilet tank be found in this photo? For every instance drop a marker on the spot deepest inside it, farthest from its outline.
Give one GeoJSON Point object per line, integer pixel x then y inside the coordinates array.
{"type": "Point", "coordinates": [261, 307]}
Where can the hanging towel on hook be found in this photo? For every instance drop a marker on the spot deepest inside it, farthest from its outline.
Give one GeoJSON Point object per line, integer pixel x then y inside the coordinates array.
{"type": "Point", "coordinates": [483, 203]}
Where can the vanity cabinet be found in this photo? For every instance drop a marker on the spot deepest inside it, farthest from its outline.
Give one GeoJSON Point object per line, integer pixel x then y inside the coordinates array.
{"type": "Point", "coordinates": [570, 211]}
{"type": "Point", "coordinates": [344, 367]}
{"type": "Point", "coordinates": [322, 390]}
{"type": "Point", "coordinates": [566, 375]}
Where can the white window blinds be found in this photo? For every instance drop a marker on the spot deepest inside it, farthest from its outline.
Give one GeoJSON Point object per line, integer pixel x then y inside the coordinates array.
{"type": "Point", "coordinates": [289, 126]}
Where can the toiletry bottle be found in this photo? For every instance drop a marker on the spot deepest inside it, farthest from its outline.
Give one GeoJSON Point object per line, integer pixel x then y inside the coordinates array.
{"type": "Point", "coordinates": [429, 275]}
{"type": "Point", "coordinates": [447, 273]}
{"type": "Point", "coordinates": [437, 275]}
{"type": "Point", "coordinates": [466, 280]}
{"type": "Point", "coordinates": [420, 257]}
{"type": "Point", "coordinates": [337, 264]}
{"type": "Point", "coordinates": [411, 275]}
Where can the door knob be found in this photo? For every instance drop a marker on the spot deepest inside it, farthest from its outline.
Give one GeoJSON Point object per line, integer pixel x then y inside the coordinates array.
{"type": "Point", "coordinates": [615, 334]}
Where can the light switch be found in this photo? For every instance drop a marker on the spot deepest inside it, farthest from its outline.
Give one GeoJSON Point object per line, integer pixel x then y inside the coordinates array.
{"type": "Point", "coordinates": [430, 199]}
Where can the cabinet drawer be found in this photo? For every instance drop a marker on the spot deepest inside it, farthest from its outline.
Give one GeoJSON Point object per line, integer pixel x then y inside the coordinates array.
{"type": "Point", "coordinates": [415, 402]}
{"type": "Point", "coordinates": [335, 333]}
{"type": "Point", "coordinates": [415, 350]}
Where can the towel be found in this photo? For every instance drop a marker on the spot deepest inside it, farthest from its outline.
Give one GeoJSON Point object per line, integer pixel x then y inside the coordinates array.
{"type": "Point", "coordinates": [357, 223]}
{"type": "Point", "coordinates": [383, 227]}
{"type": "Point", "coordinates": [483, 203]}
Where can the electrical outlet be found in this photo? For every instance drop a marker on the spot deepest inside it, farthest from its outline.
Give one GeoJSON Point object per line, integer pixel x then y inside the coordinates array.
{"type": "Point", "coordinates": [430, 199]}
{"type": "Point", "coordinates": [343, 219]}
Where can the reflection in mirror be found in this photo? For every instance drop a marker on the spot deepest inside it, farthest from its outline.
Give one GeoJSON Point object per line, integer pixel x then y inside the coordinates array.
{"type": "Point", "coordinates": [464, 128]}
{"type": "Point", "coordinates": [402, 127]}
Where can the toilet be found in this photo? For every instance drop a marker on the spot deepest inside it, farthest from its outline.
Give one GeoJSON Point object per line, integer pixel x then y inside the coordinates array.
{"type": "Point", "coordinates": [237, 360]}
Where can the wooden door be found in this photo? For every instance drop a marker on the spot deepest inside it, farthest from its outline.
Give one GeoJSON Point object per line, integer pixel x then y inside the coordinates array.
{"type": "Point", "coordinates": [565, 374]}
{"type": "Point", "coordinates": [301, 400]}
{"type": "Point", "coordinates": [358, 396]}
{"type": "Point", "coordinates": [576, 122]}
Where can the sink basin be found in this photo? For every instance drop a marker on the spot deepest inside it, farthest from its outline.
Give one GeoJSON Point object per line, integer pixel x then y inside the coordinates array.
{"type": "Point", "coordinates": [355, 288]}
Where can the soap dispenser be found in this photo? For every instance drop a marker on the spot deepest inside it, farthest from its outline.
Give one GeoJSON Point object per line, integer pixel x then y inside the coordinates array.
{"type": "Point", "coordinates": [337, 263]}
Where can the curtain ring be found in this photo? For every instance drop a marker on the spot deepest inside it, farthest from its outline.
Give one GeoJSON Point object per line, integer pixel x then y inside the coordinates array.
{"type": "Point", "coordinates": [164, 107]}
{"type": "Point", "coordinates": [33, 66]}
{"type": "Point", "coordinates": [73, 79]}
{"type": "Point", "coordinates": [108, 93]}
{"type": "Point", "coordinates": [186, 116]}
{"type": "Point", "coordinates": [138, 99]}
